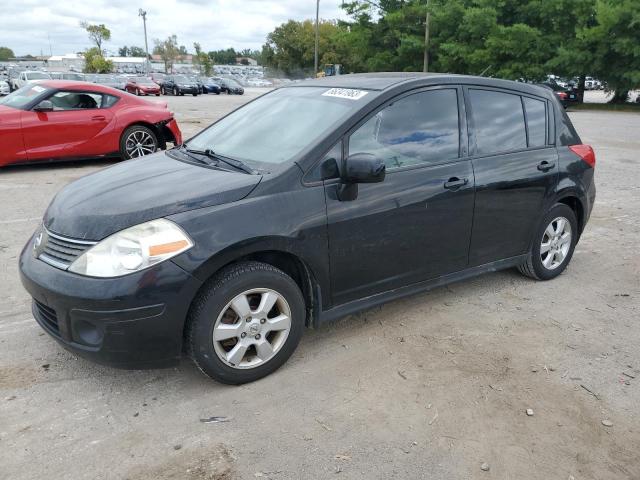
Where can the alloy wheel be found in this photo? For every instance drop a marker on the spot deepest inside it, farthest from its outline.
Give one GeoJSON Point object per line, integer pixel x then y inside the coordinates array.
{"type": "Point", "coordinates": [556, 243]}
{"type": "Point", "coordinates": [140, 143]}
{"type": "Point", "coordinates": [252, 328]}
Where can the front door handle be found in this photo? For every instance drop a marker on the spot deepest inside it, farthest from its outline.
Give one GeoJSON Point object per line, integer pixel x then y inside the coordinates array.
{"type": "Point", "coordinates": [545, 166]}
{"type": "Point", "coordinates": [98, 118]}
{"type": "Point", "coordinates": [455, 183]}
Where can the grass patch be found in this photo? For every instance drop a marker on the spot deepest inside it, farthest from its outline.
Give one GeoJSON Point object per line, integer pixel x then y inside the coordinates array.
{"type": "Point", "coordinates": [607, 107]}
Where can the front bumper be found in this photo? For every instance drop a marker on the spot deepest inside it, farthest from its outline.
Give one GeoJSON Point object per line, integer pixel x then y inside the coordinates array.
{"type": "Point", "coordinates": [134, 321]}
{"type": "Point", "coordinates": [189, 90]}
{"type": "Point", "coordinates": [175, 130]}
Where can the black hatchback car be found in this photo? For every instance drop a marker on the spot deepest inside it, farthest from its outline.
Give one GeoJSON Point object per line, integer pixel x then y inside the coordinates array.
{"type": "Point", "coordinates": [307, 204]}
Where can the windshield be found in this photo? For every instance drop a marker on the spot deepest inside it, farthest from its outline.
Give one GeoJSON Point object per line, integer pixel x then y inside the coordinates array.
{"type": "Point", "coordinates": [180, 79]}
{"type": "Point", "coordinates": [277, 126]}
{"type": "Point", "coordinates": [143, 80]}
{"type": "Point", "coordinates": [231, 83]}
{"type": "Point", "coordinates": [36, 76]}
{"type": "Point", "coordinates": [23, 96]}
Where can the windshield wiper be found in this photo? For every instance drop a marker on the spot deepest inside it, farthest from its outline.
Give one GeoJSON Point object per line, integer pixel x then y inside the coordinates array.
{"type": "Point", "coordinates": [229, 161]}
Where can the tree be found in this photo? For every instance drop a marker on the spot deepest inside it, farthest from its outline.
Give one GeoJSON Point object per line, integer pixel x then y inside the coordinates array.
{"type": "Point", "coordinates": [614, 40]}
{"type": "Point", "coordinates": [290, 47]}
{"type": "Point", "coordinates": [132, 51]}
{"type": "Point", "coordinates": [223, 57]}
{"type": "Point", "coordinates": [5, 54]}
{"type": "Point", "coordinates": [203, 60]}
{"type": "Point", "coordinates": [94, 62]}
{"type": "Point", "coordinates": [97, 33]}
{"type": "Point", "coordinates": [168, 51]}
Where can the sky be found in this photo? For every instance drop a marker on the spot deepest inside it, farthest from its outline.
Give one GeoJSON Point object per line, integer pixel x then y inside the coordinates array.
{"type": "Point", "coordinates": [30, 26]}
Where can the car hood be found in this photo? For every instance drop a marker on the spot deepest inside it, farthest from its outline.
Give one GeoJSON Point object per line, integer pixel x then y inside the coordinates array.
{"type": "Point", "coordinates": [136, 191]}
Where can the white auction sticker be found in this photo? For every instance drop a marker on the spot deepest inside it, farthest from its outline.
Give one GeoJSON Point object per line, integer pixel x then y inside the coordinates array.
{"type": "Point", "coordinates": [38, 88]}
{"type": "Point", "coordinates": [349, 93]}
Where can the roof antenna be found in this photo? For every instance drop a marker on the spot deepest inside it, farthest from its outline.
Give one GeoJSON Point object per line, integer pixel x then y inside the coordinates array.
{"type": "Point", "coordinates": [485, 70]}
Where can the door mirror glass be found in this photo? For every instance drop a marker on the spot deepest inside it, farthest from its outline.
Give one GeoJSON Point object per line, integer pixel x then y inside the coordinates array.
{"type": "Point", "coordinates": [364, 168]}
{"type": "Point", "coordinates": [44, 106]}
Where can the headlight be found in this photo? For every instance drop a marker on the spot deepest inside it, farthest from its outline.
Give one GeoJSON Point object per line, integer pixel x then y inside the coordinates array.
{"type": "Point", "coordinates": [133, 249]}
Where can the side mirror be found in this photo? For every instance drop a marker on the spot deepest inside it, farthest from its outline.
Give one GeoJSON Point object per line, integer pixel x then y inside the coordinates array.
{"type": "Point", "coordinates": [44, 106]}
{"type": "Point", "coordinates": [364, 168]}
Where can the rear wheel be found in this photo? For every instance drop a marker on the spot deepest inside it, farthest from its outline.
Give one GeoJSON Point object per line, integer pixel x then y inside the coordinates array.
{"type": "Point", "coordinates": [137, 141]}
{"type": "Point", "coordinates": [553, 244]}
{"type": "Point", "coordinates": [245, 323]}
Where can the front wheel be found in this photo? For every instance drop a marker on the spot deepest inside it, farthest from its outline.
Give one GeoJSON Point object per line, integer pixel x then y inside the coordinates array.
{"type": "Point", "coordinates": [246, 323]}
{"type": "Point", "coordinates": [175, 91]}
{"type": "Point", "coordinates": [137, 141]}
{"type": "Point", "coordinates": [553, 244]}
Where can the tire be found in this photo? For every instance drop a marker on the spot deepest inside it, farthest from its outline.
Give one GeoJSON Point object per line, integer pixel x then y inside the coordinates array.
{"type": "Point", "coordinates": [137, 92]}
{"type": "Point", "coordinates": [148, 136]}
{"type": "Point", "coordinates": [194, 94]}
{"type": "Point", "coordinates": [162, 91]}
{"type": "Point", "coordinates": [534, 267]}
{"type": "Point", "coordinates": [213, 305]}
{"type": "Point", "coordinates": [176, 92]}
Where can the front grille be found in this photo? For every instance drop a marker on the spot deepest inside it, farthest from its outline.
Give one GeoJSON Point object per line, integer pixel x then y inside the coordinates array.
{"type": "Point", "coordinates": [60, 251]}
{"type": "Point", "coordinates": [46, 315]}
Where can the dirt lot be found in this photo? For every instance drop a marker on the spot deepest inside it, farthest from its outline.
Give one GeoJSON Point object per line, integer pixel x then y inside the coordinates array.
{"type": "Point", "coordinates": [431, 386]}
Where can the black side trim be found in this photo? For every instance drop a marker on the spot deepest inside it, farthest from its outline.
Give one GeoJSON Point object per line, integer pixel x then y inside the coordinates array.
{"type": "Point", "coordinates": [384, 297]}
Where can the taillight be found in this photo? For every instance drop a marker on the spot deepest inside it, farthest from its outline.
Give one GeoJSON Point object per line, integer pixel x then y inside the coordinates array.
{"type": "Point", "coordinates": [586, 153]}
{"type": "Point", "coordinates": [562, 95]}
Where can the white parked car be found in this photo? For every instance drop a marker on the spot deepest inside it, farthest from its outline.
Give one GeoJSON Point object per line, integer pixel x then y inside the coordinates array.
{"type": "Point", "coordinates": [26, 77]}
{"type": "Point", "coordinates": [4, 88]}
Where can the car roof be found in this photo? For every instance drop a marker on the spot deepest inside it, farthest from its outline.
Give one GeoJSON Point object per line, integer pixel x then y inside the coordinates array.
{"type": "Point", "coordinates": [386, 80]}
{"type": "Point", "coordinates": [75, 85]}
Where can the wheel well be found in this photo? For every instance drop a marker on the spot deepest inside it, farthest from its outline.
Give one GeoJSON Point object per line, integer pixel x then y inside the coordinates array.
{"type": "Point", "coordinates": [296, 269]}
{"type": "Point", "coordinates": [163, 134]}
{"type": "Point", "coordinates": [574, 204]}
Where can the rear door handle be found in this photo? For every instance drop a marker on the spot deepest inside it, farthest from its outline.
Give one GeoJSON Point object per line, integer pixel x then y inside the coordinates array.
{"type": "Point", "coordinates": [455, 183]}
{"type": "Point", "coordinates": [98, 118]}
{"type": "Point", "coordinates": [545, 166]}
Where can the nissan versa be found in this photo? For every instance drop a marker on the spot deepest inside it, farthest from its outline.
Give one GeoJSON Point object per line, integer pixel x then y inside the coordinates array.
{"type": "Point", "coordinates": [307, 204]}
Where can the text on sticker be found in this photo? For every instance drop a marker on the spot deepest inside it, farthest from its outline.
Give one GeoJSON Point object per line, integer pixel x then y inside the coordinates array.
{"type": "Point", "coordinates": [349, 93]}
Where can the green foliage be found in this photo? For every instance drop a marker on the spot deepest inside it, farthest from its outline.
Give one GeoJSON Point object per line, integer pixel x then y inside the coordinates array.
{"type": "Point", "coordinates": [223, 57]}
{"type": "Point", "coordinates": [168, 51]}
{"type": "Point", "coordinates": [506, 38]}
{"type": "Point", "coordinates": [202, 60]}
{"type": "Point", "coordinates": [97, 33]}
{"type": "Point", "coordinates": [131, 51]}
{"type": "Point", "coordinates": [290, 47]}
{"type": "Point", "coordinates": [5, 54]}
{"type": "Point", "coordinates": [614, 40]}
{"type": "Point", "coordinates": [94, 62]}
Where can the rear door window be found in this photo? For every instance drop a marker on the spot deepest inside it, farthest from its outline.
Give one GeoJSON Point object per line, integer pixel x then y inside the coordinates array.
{"type": "Point", "coordinates": [498, 120]}
{"type": "Point", "coordinates": [536, 121]}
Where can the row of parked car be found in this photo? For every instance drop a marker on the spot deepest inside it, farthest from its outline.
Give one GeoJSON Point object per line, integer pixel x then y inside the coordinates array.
{"type": "Point", "coordinates": [154, 84]}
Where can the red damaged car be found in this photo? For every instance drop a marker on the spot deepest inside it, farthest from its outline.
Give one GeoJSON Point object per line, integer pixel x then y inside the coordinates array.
{"type": "Point", "coordinates": [142, 86]}
{"type": "Point", "coordinates": [64, 120]}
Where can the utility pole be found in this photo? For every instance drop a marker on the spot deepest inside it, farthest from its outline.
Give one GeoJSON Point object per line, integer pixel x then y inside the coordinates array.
{"type": "Point", "coordinates": [425, 65]}
{"type": "Point", "coordinates": [143, 14]}
{"type": "Point", "coordinates": [315, 63]}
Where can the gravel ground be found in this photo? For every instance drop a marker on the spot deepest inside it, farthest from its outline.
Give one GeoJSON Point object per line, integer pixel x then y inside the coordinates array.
{"type": "Point", "coordinates": [432, 386]}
